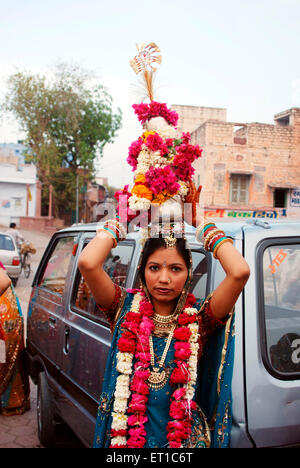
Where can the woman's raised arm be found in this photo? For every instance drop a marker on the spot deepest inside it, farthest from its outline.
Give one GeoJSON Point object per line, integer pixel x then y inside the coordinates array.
{"type": "Point", "coordinates": [233, 263]}
{"type": "Point", "coordinates": [237, 274]}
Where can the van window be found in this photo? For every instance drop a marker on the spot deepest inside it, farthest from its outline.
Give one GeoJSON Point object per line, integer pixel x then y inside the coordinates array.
{"type": "Point", "coordinates": [116, 266]}
{"type": "Point", "coordinates": [55, 273]}
{"type": "Point", "coordinates": [281, 282]}
{"type": "Point", "coordinates": [200, 274]}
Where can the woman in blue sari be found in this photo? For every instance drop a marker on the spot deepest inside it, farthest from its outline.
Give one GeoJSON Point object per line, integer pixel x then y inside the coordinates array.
{"type": "Point", "coordinates": [160, 389]}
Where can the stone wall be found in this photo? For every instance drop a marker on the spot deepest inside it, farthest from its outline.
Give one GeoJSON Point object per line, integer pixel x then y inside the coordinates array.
{"type": "Point", "coordinates": [269, 155]}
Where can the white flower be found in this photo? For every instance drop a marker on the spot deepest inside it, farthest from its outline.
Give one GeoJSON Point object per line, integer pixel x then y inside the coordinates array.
{"type": "Point", "coordinates": [138, 203]}
{"type": "Point", "coordinates": [194, 348]}
{"type": "Point", "coordinates": [122, 392]}
{"type": "Point", "coordinates": [190, 392]}
{"type": "Point", "coordinates": [190, 310]}
{"type": "Point", "coordinates": [194, 332]}
{"type": "Point", "coordinates": [124, 367]}
{"type": "Point", "coordinates": [120, 405]}
{"type": "Point", "coordinates": [123, 380]}
{"type": "Point", "coordinates": [119, 440]}
{"type": "Point", "coordinates": [119, 421]}
{"type": "Point", "coordinates": [183, 191]}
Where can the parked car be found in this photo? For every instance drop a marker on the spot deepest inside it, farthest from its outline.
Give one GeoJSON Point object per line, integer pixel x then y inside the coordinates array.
{"type": "Point", "coordinates": [68, 339]}
{"type": "Point", "coordinates": [9, 256]}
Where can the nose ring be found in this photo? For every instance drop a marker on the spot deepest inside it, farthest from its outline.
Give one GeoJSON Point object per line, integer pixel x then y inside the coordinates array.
{"type": "Point", "coordinates": [169, 280]}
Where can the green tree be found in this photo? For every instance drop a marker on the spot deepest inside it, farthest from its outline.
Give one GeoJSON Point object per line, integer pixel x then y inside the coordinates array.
{"type": "Point", "coordinates": [67, 123]}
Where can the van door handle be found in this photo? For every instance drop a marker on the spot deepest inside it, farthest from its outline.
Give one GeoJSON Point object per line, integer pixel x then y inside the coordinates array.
{"type": "Point", "coordinates": [67, 338]}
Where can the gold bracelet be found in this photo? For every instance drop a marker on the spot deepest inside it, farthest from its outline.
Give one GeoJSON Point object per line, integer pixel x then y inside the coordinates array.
{"type": "Point", "coordinates": [210, 235]}
{"type": "Point", "coordinates": [222, 242]}
{"type": "Point", "coordinates": [199, 229]}
{"type": "Point", "coordinates": [118, 225]}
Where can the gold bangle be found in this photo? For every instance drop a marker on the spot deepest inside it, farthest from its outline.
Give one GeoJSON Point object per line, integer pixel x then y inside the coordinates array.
{"type": "Point", "coordinates": [222, 242]}
{"type": "Point", "coordinates": [118, 225]}
{"type": "Point", "coordinates": [210, 235]}
{"type": "Point", "coordinates": [200, 228]}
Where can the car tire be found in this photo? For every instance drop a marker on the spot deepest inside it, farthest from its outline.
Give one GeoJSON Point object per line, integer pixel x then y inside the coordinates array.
{"type": "Point", "coordinates": [45, 412]}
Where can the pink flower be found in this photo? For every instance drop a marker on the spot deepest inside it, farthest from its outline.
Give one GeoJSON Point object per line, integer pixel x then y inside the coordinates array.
{"type": "Point", "coordinates": [178, 376]}
{"type": "Point", "coordinates": [131, 326]}
{"type": "Point", "coordinates": [175, 444]}
{"type": "Point", "coordinates": [155, 143]}
{"type": "Point", "coordinates": [182, 350]}
{"type": "Point", "coordinates": [179, 393]}
{"type": "Point", "coordinates": [185, 319]}
{"type": "Point", "coordinates": [139, 386]}
{"type": "Point", "coordinates": [125, 214]}
{"type": "Point", "coordinates": [137, 432]}
{"type": "Point", "coordinates": [142, 374]}
{"type": "Point", "coordinates": [146, 326]}
{"type": "Point", "coordinates": [137, 419]}
{"type": "Point", "coordinates": [126, 346]}
{"type": "Point", "coordinates": [136, 442]}
{"type": "Point", "coordinates": [162, 178]}
{"type": "Point", "coordinates": [142, 365]}
{"type": "Point", "coordinates": [177, 410]}
{"type": "Point", "coordinates": [137, 403]}
{"type": "Point", "coordinates": [155, 109]}
{"type": "Point", "coordinates": [133, 152]}
{"type": "Point", "coordinates": [146, 308]}
{"type": "Point", "coordinates": [144, 357]}
{"type": "Point", "coordinates": [133, 317]}
{"type": "Point", "coordinates": [190, 300]}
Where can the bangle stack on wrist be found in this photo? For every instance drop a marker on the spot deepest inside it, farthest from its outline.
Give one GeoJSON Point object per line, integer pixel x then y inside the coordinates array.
{"type": "Point", "coordinates": [212, 237]}
{"type": "Point", "coordinates": [115, 229]}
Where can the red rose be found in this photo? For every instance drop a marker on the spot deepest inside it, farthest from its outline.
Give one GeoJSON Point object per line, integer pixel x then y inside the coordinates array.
{"type": "Point", "coordinates": [182, 334]}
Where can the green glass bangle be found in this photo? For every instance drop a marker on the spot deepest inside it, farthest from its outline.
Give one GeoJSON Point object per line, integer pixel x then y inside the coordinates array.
{"type": "Point", "coordinates": [217, 242]}
{"type": "Point", "coordinates": [112, 232]}
{"type": "Point", "coordinates": [207, 226]}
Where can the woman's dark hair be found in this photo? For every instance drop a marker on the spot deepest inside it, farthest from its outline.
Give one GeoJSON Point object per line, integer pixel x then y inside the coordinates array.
{"type": "Point", "coordinates": [155, 243]}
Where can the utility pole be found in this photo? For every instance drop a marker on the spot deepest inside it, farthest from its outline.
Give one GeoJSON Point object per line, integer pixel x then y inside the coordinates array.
{"type": "Point", "coordinates": [77, 196]}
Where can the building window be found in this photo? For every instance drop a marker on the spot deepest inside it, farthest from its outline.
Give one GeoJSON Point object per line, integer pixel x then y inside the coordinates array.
{"type": "Point", "coordinates": [239, 189]}
{"type": "Point", "coordinates": [280, 198]}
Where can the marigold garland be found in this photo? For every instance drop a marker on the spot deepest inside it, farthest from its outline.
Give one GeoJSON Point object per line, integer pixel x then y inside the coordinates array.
{"type": "Point", "coordinates": [131, 392]}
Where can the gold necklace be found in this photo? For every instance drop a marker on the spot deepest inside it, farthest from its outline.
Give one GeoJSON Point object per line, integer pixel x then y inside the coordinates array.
{"type": "Point", "coordinates": [158, 376]}
{"type": "Point", "coordinates": [163, 318]}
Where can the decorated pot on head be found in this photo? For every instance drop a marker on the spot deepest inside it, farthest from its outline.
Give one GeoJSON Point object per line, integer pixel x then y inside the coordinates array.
{"type": "Point", "coordinates": [161, 160]}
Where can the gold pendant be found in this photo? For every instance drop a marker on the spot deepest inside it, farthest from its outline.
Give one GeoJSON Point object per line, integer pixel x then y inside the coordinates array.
{"type": "Point", "coordinates": [156, 379]}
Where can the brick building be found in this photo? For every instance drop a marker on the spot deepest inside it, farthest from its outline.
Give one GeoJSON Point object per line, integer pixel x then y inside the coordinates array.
{"type": "Point", "coordinates": [246, 169]}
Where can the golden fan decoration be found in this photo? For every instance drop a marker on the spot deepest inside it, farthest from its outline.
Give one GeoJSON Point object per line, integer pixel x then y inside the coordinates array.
{"type": "Point", "coordinates": [143, 63]}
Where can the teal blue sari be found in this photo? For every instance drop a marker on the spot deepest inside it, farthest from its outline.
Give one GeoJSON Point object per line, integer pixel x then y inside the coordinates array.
{"type": "Point", "coordinates": [213, 392]}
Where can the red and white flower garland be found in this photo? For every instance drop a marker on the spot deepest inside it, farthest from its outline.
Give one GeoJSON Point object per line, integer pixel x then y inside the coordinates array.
{"type": "Point", "coordinates": [131, 392]}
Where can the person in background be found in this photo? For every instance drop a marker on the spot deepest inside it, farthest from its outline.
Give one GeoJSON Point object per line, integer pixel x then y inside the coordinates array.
{"type": "Point", "coordinates": [13, 231]}
{"type": "Point", "coordinates": [14, 380]}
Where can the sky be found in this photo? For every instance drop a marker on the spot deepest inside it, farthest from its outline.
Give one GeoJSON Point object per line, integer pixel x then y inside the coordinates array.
{"type": "Point", "coordinates": [242, 55]}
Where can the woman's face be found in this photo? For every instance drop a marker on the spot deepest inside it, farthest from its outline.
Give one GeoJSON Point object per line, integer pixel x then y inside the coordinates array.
{"type": "Point", "coordinates": [165, 274]}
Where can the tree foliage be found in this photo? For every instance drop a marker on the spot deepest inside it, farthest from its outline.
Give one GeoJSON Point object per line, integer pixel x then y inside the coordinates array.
{"type": "Point", "coordinates": [67, 123]}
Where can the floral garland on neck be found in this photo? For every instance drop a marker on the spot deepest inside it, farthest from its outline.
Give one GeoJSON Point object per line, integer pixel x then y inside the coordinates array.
{"type": "Point", "coordinates": [131, 392]}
